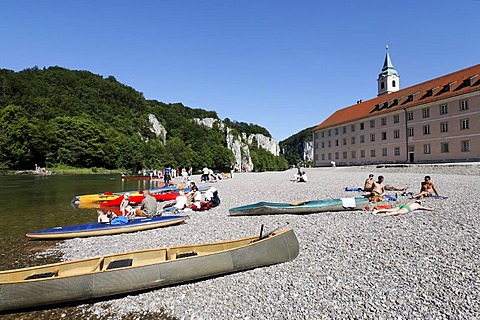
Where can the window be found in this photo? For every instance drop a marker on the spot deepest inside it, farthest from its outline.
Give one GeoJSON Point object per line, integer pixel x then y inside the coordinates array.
{"type": "Point", "coordinates": [372, 123]}
{"type": "Point", "coordinates": [426, 112]}
{"type": "Point", "coordinates": [410, 132]}
{"type": "Point", "coordinates": [384, 152]}
{"type": "Point", "coordinates": [444, 127]}
{"type": "Point", "coordinates": [362, 153]}
{"type": "Point", "coordinates": [444, 147]}
{"type": "Point", "coordinates": [465, 146]}
{"type": "Point", "coordinates": [323, 144]}
{"type": "Point", "coordinates": [396, 118]}
{"type": "Point", "coordinates": [362, 139]}
{"type": "Point", "coordinates": [354, 154]}
{"type": "Point", "coordinates": [362, 126]}
{"type": "Point", "coordinates": [329, 132]}
{"type": "Point", "coordinates": [384, 121]}
{"type": "Point", "coordinates": [372, 153]}
{"type": "Point", "coordinates": [344, 129]}
{"type": "Point", "coordinates": [329, 156]}
{"type": "Point", "coordinates": [409, 116]}
{"type": "Point", "coordinates": [384, 136]}
{"type": "Point", "coordinates": [336, 131]}
{"type": "Point", "coordinates": [353, 140]}
{"type": "Point", "coordinates": [426, 149]}
{"type": "Point", "coordinates": [464, 124]}
{"type": "Point", "coordinates": [394, 84]}
{"type": "Point", "coordinates": [352, 128]}
{"type": "Point", "coordinates": [336, 143]}
{"type": "Point", "coordinates": [323, 134]}
{"type": "Point", "coordinates": [411, 148]}
{"type": "Point", "coordinates": [323, 156]}
{"type": "Point", "coordinates": [329, 144]}
{"type": "Point", "coordinates": [337, 155]}
{"type": "Point", "coordinates": [463, 105]}
{"type": "Point", "coordinates": [396, 151]}
{"type": "Point", "coordinates": [344, 141]}
{"type": "Point", "coordinates": [443, 109]}
{"type": "Point", "coordinates": [372, 137]}
{"type": "Point", "coordinates": [344, 154]}
{"type": "Point", "coordinates": [396, 134]}
{"type": "Point", "coordinates": [426, 129]}
{"type": "Point", "coordinates": [382, 85]}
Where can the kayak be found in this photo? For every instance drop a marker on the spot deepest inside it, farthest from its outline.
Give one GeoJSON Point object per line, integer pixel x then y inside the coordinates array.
{"type": "Point", "coordinates": [137, 199]}
{"type": "Point", "coordinates": [100, 229]}
{"type": "Point", "coordinates": [306, 207]}
{"type": "Point", "coordinates": [141, 270]}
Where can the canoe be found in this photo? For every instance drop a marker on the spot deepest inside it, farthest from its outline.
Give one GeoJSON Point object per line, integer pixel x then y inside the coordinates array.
{"type": "Point", "coordinates": [306, 207]}
{"type": "Point", "coordinates": [141, 270]}
{"type": "Point", "coordinates": [100, 229]}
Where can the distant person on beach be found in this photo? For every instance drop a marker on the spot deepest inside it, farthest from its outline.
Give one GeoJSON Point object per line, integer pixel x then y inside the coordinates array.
{"type": "Point", "coordinates": [403, 209]}
{"type": "Point", "coordinates": [369, 182]}
{"type": "Point", "coordinates": [148, 207]}
{"type": "Point", "coordinates": [427, 189]}
{"type": "Point", "coordinates": [302, 177]}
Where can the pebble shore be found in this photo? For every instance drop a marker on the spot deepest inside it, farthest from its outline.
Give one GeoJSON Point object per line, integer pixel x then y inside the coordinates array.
{"type": "Point", "coordinates": [352, 264]}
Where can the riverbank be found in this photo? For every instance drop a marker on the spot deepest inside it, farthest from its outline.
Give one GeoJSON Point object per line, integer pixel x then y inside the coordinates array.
{"type": "Point", "coordinates": [351, 264]}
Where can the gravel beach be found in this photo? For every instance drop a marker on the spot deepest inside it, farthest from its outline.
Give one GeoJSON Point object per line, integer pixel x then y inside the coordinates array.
{"type": "Point", "coordinates": [352, 264]}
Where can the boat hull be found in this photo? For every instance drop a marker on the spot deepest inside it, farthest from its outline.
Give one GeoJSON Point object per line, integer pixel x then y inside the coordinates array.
{"type": "Point", "coordinates": [155, 268]}
{"type": "Point", "coordinates": [307, 207]}
{"type": "Point", "coordinates": [99, 229]}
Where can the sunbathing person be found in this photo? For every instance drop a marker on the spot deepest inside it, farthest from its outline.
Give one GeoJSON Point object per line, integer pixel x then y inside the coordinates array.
{"type": "Point", "coordinates": [427, 189]}
{"type": "Point", "coordinates": [403, 209]}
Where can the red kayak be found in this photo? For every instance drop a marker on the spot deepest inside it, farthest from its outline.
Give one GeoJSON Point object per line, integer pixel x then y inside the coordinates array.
{"type": "Point", "coordinates": [137, 199]}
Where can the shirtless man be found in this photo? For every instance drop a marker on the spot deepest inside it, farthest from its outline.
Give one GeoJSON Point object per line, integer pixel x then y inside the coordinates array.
{"type": "Point", "coordinates": [368, 186]}
{"type": "Point", "coordinates": [403, 209]}
{"type": "Point", "coordinates": [427, 189]}
{"type": "Point", "coordinates": [378, 190]}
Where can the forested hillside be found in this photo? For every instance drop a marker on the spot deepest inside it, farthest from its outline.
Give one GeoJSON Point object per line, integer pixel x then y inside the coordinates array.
{"type": "Point", "coordinates": [57, 116]}
{"type": "Point", "coordinates": [294, 147]}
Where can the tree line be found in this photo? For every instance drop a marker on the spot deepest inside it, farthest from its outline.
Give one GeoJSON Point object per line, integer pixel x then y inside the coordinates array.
{"type": "Point", "coordinates": [55, 116]}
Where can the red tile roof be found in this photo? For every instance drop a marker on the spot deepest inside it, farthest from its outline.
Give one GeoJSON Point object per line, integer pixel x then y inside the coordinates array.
{"type": "Point", "coordinates": [450, 85]}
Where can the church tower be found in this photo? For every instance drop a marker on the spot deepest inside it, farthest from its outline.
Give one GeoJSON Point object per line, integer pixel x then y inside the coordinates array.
{"type": "Point", "coordinates": [388, 79]}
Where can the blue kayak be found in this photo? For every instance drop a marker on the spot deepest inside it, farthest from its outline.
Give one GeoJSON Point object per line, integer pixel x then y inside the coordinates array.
{"type": "Point", "coordinates": [100, 229]}
{"type": "Point", "coordinates": [306, 207]}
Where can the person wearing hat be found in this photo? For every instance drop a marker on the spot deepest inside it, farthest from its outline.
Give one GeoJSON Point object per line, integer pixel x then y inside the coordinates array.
{"type": "Point", "coordinates": [179, 204]}
{"type": "Point", "coordinates": [125, 207]}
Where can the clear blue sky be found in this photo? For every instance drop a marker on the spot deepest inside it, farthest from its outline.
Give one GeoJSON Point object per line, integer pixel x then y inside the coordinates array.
{"type": "Point", "coordinates": [284, 65]}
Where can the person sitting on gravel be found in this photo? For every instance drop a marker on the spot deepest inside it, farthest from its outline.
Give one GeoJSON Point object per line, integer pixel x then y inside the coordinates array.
{"type": "Point", "coordinates": [378, 191]}
{"type": "Point", "coordinates": [369, 182]}
{"type": "Point", "coordinates": [179, 204]}
{"type": "Point", "coordinates": [427, 189]}
{"type": "Point", "coordinates": [403, 209]}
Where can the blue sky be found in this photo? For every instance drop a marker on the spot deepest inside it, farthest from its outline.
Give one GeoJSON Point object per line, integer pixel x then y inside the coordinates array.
{"type": "Point", "coordinates": [284, 65]}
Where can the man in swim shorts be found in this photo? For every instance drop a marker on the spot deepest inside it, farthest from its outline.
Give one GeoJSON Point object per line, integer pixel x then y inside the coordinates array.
{"type": "Point", "coordinates": [427, 189]}
{"type": "Point", "coordinates": [403, 209]}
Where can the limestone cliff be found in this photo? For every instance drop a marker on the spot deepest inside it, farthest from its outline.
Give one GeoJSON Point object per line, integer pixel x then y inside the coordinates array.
{"type": "Point", "coordinates": [239, 143]}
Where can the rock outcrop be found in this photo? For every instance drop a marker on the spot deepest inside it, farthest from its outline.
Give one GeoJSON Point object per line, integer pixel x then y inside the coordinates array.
{"type": "Point", "coordinates": [239, 143]}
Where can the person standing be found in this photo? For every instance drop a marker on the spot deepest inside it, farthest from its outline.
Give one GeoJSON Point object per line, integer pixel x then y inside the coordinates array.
{"type": "Point", "coordinates": [167, 176]}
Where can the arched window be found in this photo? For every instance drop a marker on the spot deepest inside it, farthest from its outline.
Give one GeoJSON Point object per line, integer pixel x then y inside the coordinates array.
{"type": "Point", "coordinates": [393, 83]}
{"type": "Point", "coordinates": [382, 85]}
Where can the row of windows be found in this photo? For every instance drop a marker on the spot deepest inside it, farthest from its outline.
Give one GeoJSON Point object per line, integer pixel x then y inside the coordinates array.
{"type": "Point", "coordinates": [444, 148]}
{"type": "Point", "coordinates": [464, 125]}
{"type": "Point", "coordinates": [463, 105]}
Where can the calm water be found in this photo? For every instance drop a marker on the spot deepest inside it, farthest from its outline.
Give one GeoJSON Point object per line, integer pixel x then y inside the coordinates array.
{"type": "Point", "coordinates": [29, 203]}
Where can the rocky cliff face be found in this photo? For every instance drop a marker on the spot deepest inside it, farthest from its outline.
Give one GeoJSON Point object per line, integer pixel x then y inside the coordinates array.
{"type": "Point", "coordinates": [239, 143]}
{"type": "Point", "coordinates": [157, 127]}
{"type": "Point", "coordinates": [307, 151]}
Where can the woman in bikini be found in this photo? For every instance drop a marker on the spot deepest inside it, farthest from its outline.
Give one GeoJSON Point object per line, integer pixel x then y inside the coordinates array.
{"type": "Point", "coordinates": [403, 209]}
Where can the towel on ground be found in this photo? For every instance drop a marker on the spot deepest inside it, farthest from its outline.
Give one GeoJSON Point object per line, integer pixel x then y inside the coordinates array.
{"type": "Point", "coordinates": [349, 202]}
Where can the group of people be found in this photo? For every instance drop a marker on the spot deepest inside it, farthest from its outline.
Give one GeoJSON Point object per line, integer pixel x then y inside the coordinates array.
{"type": "Point", "coordinates": [300, 176]}
{"type": "Point", "coordinates": [377, 191]}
